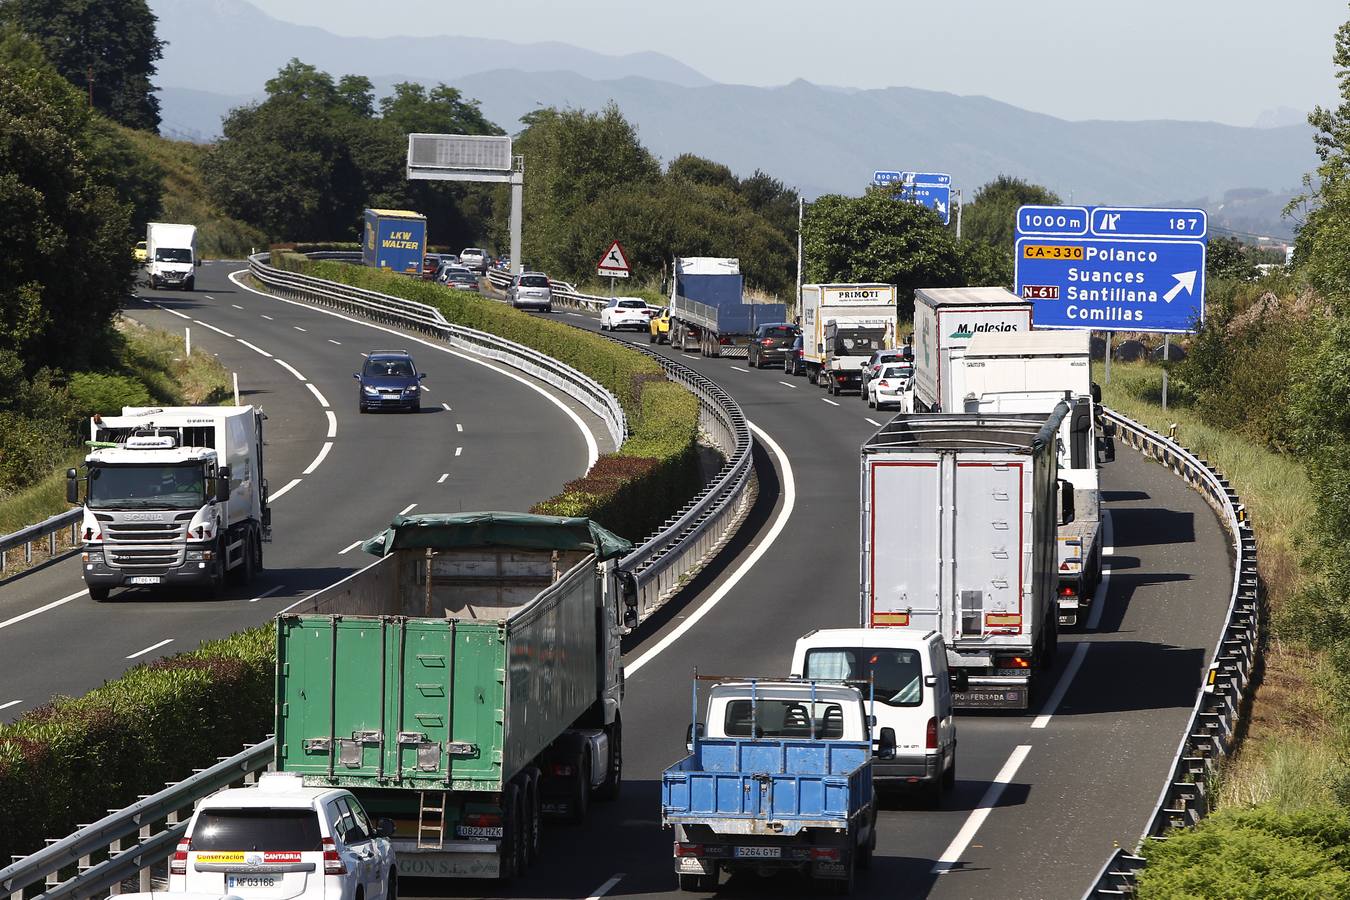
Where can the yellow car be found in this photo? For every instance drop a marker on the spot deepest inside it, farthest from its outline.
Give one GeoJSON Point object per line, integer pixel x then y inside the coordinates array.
{"type": "Point", "coordinates": [659, 327]}
{"type": "Point", "coordinates": [139, 252]}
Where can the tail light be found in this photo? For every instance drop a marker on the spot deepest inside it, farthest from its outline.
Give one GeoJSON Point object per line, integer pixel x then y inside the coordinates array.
{"type": "Point", "coordinates": [688, 850]}
{"type": "Point", "coordinates": [767, 342]}
{"type": "Point", "coordinates": [932, 734]}
{"type": "Point", "coordinates": [483, 820]}
{"type": "Point", "coordinates": [883, 383]}
{"type": "Point", "coordinates": [829, 854]}
{"type": "Point", "coordinates": [564, 770]}
{"type": "Point", "coordinates": [332, 863]}
{"type": "Point", "coordinates": [1067, 591]}
{"type": "Point", "coordinates": [178, 865]}
{"type": "Point", "coordinates": [1012, 662]}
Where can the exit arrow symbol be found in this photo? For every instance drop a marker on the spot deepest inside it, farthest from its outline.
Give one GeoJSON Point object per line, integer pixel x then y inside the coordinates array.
{"type": "Point", "coordinates": [1185, 281]}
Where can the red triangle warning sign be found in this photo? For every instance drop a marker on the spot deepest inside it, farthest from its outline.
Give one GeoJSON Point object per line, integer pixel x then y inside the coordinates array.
{"type": "Point", "coordinates": [614, 263]}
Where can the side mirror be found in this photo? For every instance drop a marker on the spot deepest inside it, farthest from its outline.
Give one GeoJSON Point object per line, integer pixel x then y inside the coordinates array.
{"type": "Point", "coordinates": [198, 263]}
{"type": "Point", "coordinates": [223, 484]}
{"type": "Point", "coordinates": [421, 376]}
{"type": "Point", "coordinates": [960, 679]}
{"type": "Point", "coordinates": [384, 828]}
{"type": "Point", "coordinates": [693, 734]}
{"type": "Point", "coordinates": [356, 375]}
{"type": "Point", "coordinates": [72, 486]}
{"type": "Point", "coordinates": [1109, 429]}
{"type": "Point", "coordinates": [886, 744]}
{"type": "Point", "coordinates": [1066, 510]}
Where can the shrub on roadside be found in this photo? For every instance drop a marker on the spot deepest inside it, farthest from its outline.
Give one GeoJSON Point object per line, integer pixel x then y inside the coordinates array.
{"type": "Point", "coordinates": [96, 392]}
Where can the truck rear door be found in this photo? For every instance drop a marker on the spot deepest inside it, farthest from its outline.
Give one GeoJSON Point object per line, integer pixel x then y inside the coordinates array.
{"type": "Point", "coordinates": [987, 529]}
{"type": "Point", "coordinates": [901, 552]}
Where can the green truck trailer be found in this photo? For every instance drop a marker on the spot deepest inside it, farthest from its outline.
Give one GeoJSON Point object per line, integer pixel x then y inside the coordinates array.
{"type": "Point", "coordinates": [466, 685]}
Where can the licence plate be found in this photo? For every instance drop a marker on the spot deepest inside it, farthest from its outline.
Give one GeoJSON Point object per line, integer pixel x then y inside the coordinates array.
{"type": "Point", "coordinates": [144, 579]}
{"type": "Point", "coordinates": [251, 881]}
{"type": "Point", "coordinates": [759, 852]}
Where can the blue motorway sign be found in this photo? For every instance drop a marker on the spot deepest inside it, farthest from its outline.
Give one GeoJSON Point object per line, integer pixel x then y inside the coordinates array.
{"type": "Point", "coordinates": [1112, 268]}
{"type": "Point", "coordinates": [930, 189]}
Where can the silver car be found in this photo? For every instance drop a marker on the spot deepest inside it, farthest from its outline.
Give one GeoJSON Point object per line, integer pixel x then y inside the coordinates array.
{"type": "Point", "coordinates": [530, 290]}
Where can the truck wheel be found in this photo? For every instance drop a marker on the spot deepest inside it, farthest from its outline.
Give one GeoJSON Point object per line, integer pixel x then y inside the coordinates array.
{"type": "Point", "coordinates": [534, 812]}
{"type": "Point", "coordinates": [99, 593]}
{"type": "Point", "coordinates": [512, 848]}
{"type": "Point", "coordinates": [609, 789]}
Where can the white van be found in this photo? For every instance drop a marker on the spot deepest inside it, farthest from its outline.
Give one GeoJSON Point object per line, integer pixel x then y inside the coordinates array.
{"type": "Point", "coordinates": [906, 673]}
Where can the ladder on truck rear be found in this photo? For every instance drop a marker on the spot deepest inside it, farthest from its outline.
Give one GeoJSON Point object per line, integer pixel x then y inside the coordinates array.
{"type": "Point", "coordinates": [431, 820]}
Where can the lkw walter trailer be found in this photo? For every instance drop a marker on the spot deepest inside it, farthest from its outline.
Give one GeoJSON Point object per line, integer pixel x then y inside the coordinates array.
{"type": "Point", "coordinates": [958, 536]}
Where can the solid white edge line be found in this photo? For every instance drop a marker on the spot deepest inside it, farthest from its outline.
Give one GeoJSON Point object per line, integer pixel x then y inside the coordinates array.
{"type": "Point", "coordinates": [1075, 663]}
{"type": "Point", "coordinates": [150, 648]}
{"type": "Point", "coordinates": [1108, 549]}
{"type": "Point", "coordinates": [254, 347]}
{"type": "Point", "coordinates": [788, 384]}
{"type": "Point", "coordinates": [323, 401]}
{"type": "Point", "coordinates": [292, 483]}
{"type": "Point", "coordinates": [407, 509]}
{"type": "Point", "coordinates": [829, 401]}
{"type": "Point", "coordinates": [599, 892]}
{"type": "Point", "coordinates": [789, 494]}
{"type": "Point", "coordinates": [323, 452]}
{"type": "Point", "coordinates": [441, 480]}
{"type": "Point", "coordinates": [10, 703]}
{"type": "Point", "coordinates": [350, 547]}
{"type": "Point", "coordinates": [332, 422]}
{"type": "Point", "coordinates": [42, 609]}
{"type": "Point", "coordinates": [213, 328]}
{"type": "Point", "coordinates": [265, 594]}
{"type": "Point", "coordinates": [592, 447]}
{"type": "Point", "coordinates": [289, 368]}
{"type": "Point", "coordinates": [949, 858]}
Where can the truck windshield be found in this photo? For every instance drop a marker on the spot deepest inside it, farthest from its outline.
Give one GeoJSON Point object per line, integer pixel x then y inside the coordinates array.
{"type": "Point", "coordinates": [783, 718]}
{"type": "Point", "coordinates": [147, 487]}
{"type": "Point", "coordinates": [859, 342]}
{"type": "Point", "coordinates": [258, 829]}
{"type": "Point", "coordinates": [897, 675]}
{"type": "Point", "coordinates": [173, 254]}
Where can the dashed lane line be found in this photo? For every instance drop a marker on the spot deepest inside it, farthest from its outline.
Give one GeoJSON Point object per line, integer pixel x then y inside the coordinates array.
{"type": "Point", "coordinates": [1075, 663]}
{"type": "Point", "coordinates": [441, 480]}
{"type": "Point", "coordinates": [323, 452]}
{"type": "Point", "coordinates": [331, 341]}
{"type": "Point", "coordinates": [872, 422]}
{"type": "Point", "coordinates": [42, 609]}
{"type": "Point", "coordinates": [151, 648]}
{"type": "Point", "coordinates": [297, 328]}
{"type": "Point", "coordinates": [332, 422]}
{"type": "Point", "coordinates": [349, 548]}
{"type": "Point", "coordinates": [236, 306]}
{"type": "Point", "coordinates": [269, 318]}
{"type": "Point", "coordinates": [290, 484]}
{"type": "Point", "coordinates": [323, 401]}
{"type": "Point", "coordinates": [10, 703]}
{"type": "Point", "coordinates": [265, 594]}
{"type": "Point", "coordinates": [459, 427]}
{"type": "Point", "coordinates": [829, 401]}
{"type": "Point", "coordinates": [290, 368]}
{"type": "Point", "coordinates": [254, 347]}
{"type": "Point", "coordinates": [212, 327]}
{"type": "Point", "coordinates": [952, 855]}
{"type": "Point", "coordinates": [407, 509]}
{"type": "Point", "coordinates": [459, 450]}
{"type": "Point", "coordinates": [788, 384]}
{"type": "Point", "coordinates": [446, 407]}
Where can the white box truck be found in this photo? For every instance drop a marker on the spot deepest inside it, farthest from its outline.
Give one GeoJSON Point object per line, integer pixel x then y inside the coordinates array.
{"type": "Point", "coordinates": [842, 326]}
{"type": "Point", "coordinates": [958, 536]}
{"type": "Point", "coordinates": [945, 320]}
{"type": "Point", "coordinates": [171, 255]}
{"type": "Point", "coordinates": [1032, 372]}
{"type": "Point", "coordinates": [174, 496]}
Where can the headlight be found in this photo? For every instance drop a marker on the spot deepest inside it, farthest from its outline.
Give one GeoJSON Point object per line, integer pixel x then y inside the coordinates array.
{"type": "Point", "coordinates": [410, 390]}
{"type": "Point", "coordinates": [367, 389]}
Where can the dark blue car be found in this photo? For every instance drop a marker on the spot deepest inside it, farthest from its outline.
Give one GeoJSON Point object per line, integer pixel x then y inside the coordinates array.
{"type": "Point", "coordinates": [389, 380]}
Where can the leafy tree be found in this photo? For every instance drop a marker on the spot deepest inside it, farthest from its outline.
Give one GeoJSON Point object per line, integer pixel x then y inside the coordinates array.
{"type": "Point", "coordinates": [1323, 244]}
{"type": "Point", "coordinates": [1228, 257]}
{"type": "Point", "coordinates": [68, 261]}
{"type": "Point", "coordinates": [106, 48]}
{"type": "Point", "coordinates": [697, 170]}
{"type": "Point", "coordinates": [991, 216]}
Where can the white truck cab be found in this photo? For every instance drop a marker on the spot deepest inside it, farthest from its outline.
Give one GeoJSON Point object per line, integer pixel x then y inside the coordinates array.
{"type": "Point", "coordinates": [786, 709]}
{"type": "Point", "coordinates": [906, 675]}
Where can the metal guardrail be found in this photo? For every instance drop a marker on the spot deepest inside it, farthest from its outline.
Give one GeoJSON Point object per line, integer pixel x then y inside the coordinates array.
{"type": "Point", "coordinates": [1211, 732]}
{"type": "Point", "coordinates": [153, 823]}
{"type": "Point", "coordinates": [49, 529]}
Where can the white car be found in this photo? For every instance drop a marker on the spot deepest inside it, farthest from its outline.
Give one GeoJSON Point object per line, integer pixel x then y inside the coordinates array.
{"type": "Point", "coordinates": [280, 839]}
{"type": "Point", "coordinates": [891, 387]}
{"type": "Point", "coordinates": [475, 258]}
{"type": "Point", "coordinates": [626, 312]}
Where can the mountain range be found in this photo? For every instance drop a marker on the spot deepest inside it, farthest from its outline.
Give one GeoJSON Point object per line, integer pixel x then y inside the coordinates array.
{"type": "Point", "coordinates": [820, 139]}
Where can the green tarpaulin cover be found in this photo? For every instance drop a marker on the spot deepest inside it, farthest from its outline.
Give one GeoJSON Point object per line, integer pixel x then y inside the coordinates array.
{"type": "Point", "coordinates": [450, 531]}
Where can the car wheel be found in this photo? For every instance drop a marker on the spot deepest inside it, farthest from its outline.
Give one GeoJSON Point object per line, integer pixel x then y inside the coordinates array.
{"type": "Point", "coordinates": [391, 892]}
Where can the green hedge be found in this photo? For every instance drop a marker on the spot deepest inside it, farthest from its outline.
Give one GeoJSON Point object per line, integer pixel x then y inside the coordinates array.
{"type": "Point", "coordinates": [70, 761]}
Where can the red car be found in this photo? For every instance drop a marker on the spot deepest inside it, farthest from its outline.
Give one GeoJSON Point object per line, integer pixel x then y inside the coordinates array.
{"type": "Point", "coordinates": [431, 264]}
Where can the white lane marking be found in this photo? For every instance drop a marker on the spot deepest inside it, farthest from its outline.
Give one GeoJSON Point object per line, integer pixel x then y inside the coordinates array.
{"type": "Point", "coordinates": [150, 648]}
{"type": "Point", "coordinates": [1075, 663]}
{"type": "Point", "coordinates": [269, 318]}
{"type": "Point", "coordinates": [424, 387]}
{"type": "Point", "coordinates": [459, 450]}
{"type": "Point", "coordinates": [441, 480]}
{"type": "Point", "coordinates": [290, 368]}
{"type": "Point", "coordinates": [873, 421]}
{"type": "Point", "coordinates": [1099, 598]}
{"type": "Point", "coordinates": [265, 594]}
{"type": "Point", "coordinates": [459, 427]}
{"type": "Point", "coordinates": [339, 343]}
{"type": "Point", "coordinates": [446, 407]}
{"type": "Point", "coordinates": [575, 315]}
{"type": "Point", "coordinates": [290, 484]}
{"type": "Point", "coordinates": [739, 369]}
{"type": "Point", "coordinates": [407, 509]}
{"type": "Point", "coordinates": [592, 447]}
{"type": "Point", "coordinates": [350, 547]}
{"type": "Point", "coordinates": [41, 609]}
{"type": "Point", "coordinates": [789, 384]}
{"type": "Point", "coordinates": [212, 327]}
{"type": "Point", "coordinates": [323, 451]}
{"type": "Point", "coordinates": [829, 401]}
{"type": "Point", "coordinates": [366, 355]}
{"type": "Point", "coordinates": [317, 396]}
{"type": "Point", "coordinates": [297, 328]}
{"type": "Point", "coordinates": [952, 855]}
{"type": "Point", "coordinates": [209, 297]}
{"type": "Point", "coordinates": [789, 501]}
{"type": "Point", "coordinates": [332, 422]}
{"type": "Point", "coordinates": [236, 306]}
{"type": "Point", "coordinates": [171, 311]}
{"type": "Point", "coordinates": [603, 889]}
{"type": "Point", "coordinates": [10, 703]}
{"type": "Point", "coordinates": [254, 348]}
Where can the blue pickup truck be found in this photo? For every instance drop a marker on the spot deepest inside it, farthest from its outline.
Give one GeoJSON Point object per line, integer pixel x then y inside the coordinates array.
{"type": "Point", "coordinates": [779, 776]}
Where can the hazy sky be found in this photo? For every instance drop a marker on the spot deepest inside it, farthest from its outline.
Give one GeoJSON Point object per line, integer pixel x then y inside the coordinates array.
{"type": "Point", "coordinates": [1220, 60]}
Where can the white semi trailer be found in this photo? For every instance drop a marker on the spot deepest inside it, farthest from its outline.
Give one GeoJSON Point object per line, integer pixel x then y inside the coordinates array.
{"type": "Point", "coordinates": [945, 321]}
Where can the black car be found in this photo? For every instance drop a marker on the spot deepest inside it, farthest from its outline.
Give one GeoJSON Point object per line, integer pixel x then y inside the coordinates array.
{"type": "Point", "coordinates": [792, 360]}
{"type": "Point", "coordinates": [771, 344]}
{"type": "Point", "coordinates": [389, 380]}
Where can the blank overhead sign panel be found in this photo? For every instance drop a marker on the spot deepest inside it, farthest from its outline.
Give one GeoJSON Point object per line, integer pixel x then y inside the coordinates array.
{"type": "Point", "coordinates": [460, 157]}
{"type": "Point", "coordinates": [1112, 268]}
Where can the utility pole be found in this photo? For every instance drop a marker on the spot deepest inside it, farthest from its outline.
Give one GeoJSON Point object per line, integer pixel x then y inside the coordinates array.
{"type": "Point", "coordinates": [960, 207]}
{"type": "Point", "coordinates": [801, 209]}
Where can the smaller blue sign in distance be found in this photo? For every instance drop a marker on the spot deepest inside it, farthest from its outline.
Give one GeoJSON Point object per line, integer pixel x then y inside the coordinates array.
{"type": "Point", "coordinates": [930, 189]}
